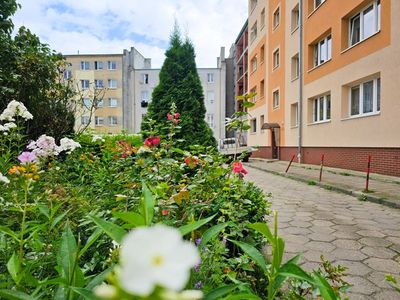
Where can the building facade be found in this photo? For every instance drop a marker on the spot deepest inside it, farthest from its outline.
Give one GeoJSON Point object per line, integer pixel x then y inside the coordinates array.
{"type": "Point", "coordinates": [332, 77]}
{"type": "Point", "coordinates": [126, 90]}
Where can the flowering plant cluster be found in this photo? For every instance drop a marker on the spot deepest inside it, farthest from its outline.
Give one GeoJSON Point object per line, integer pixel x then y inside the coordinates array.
{"type": "Point", "coordinates": [45, 146]}
{"type": "Point", "coordinates": [15, 109]}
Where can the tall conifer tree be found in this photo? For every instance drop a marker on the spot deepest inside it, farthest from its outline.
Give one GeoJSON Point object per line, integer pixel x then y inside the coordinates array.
{"type": "Point", "coordinates": [180, 84]}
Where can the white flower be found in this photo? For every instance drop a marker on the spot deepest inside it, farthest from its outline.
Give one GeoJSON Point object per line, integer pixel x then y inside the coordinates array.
{"type": "Point", "coordinates": [15, 108]}
{"type": "Point", "coordinates": [153, 256]}
{"type": "Point", "coordinates": [68, 145]}
{"type": "Point", "coordinates": [105, 291]}
{"type": "Point", "coordinates": [4, 179]}
{"type": "Point", "coordinates": [96, 138]}
{"type": "Point", "coordinates": [44, 146]}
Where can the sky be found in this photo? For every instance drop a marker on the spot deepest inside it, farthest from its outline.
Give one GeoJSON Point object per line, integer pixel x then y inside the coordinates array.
{"type": "Point", "coordinates": [109, 26]}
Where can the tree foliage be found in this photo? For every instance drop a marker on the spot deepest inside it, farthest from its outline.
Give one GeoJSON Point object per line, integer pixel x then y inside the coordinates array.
{"type": "Point", "coordinates": [30, 72]}
{"type": "Point", "coordinates": [180, 84]}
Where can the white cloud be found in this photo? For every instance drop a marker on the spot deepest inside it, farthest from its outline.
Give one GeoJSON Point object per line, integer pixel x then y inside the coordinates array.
{"type": "Point", "coordinates": [85, 25]}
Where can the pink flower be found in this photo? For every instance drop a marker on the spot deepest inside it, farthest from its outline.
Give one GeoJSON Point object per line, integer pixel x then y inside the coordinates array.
{"type": "Point", "coordinates": [164, 212]}
{"type": "Point", "coordinates": [176, 121]}
{"type": "Point", "coordinates": [169, 116]}
{"type": "Point", "coordinates": [152, 141]}
{"type": "Point", "coordinates": [237, 167]}
{"type": "Point", "coordinates": [27, 157]}
{"type": "Point", "coordinates": [177, 115]}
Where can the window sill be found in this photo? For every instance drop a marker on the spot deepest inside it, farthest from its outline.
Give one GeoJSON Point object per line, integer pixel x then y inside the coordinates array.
{"type": "Point", "coordinates": [294, 30]}
{"type": "Point", "coordinates": [275, 27]}
{"type": "Point", "coordinates": [294, 79]}
{"type": "Point", "coordinates": [315, 9]}
{"type": "Point", "coordinates": [253, 133]}
{"type": "Point", "coordinates": [319, 122]}
{"type": "Point", "coordinates": [275, 107]}
{"type": "Point", "coordinates": [377, 113]}
{"type": "Point", "coordinates": [358, 43]}
{"type": "Point", "coordinates": [320, 65]}
{"type": "Point", "coordinates": [274, 68]}
{"type": "Point", "coordinates": [294, 127]}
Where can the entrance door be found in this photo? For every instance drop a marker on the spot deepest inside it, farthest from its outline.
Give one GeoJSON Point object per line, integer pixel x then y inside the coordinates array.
{"type": "Point", "coordinates": [275, 142]}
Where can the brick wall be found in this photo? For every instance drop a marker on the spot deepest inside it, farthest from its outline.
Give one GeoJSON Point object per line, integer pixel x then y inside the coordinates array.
{"type": "Point", "coordinates": [384, 160]}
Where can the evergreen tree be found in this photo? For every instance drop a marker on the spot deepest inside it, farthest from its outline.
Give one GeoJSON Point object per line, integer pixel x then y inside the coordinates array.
{"type": "Point", "coordinates": [180, 84]}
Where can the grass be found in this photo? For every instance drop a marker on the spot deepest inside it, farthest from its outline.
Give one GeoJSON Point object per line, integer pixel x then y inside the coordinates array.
{"type": "Point", "coordinates": [311, 182]}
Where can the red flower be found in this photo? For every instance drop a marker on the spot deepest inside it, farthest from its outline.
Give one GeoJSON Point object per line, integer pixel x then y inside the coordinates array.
{"type": "Point", "coordinates": [191, 161]}
{"type": "Point", "coordinates": [152, 141]}
{"type": "Point", "coordinates": [164, 212]}
{"type": "Point", "coordinates": [169, 116]}
{"type": "Point", "coordinates": [237, 167]}
{"type": "Point", "coordinates": [176, 121]}
{"type": "Point", "coordinates": [177, 115]}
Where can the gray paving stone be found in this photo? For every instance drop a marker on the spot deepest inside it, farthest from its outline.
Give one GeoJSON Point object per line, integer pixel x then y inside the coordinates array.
{"type": "Point", "coordinates": [320, 246]}
{"type": "Point", "coordinates": [346, 235]}
{"type": "Point", "coordinates": [387, 295]}
{"type": "Point", "coordinates": [384, 265]}
{"type": "Point", "coordinates": [302, 224]}
{"type": "Point", "coordinates": [379, 252]}
{"type": "Point", "coordinates": [370, 233]}
{"type": "Point", "coordinates": [347, 244]}
{"type": "Point", "coordinates": [375, 242]}
{"type": "Point", "coordinates": [347, 254]}
{"type": "Point", "coordinates": [362, 286]}
{"type": "Point", "coordinates": [322, 237]}
{"type": "Point", "coordinates": [354, 267]}
{"type": "Point", "coordinates": [322, 223]}
{"type": "Point", "coordinates": [378, 278]}
{"type": "Point", "coordinates": [315, 256]}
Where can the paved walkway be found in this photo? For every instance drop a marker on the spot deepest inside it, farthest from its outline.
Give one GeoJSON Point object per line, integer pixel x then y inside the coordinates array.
{"type": "Point", "coordinates": [363, 236]}
{"type": "Point", "coordinates": [383, 189]}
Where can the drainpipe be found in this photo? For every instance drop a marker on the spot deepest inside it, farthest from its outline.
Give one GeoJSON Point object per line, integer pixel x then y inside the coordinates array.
{"type": "Point", "coordinates": [300, 103]}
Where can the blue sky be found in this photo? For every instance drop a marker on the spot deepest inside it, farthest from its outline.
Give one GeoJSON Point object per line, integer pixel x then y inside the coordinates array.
{"type": "Point", "coordinates": [109, 26]}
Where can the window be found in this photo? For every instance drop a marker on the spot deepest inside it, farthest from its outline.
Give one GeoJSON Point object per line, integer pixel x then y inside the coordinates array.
{"type": "Point", "coordinates": [87, 102]}
{"type": "Point", "coordinates": [85, 65]}
{"type": "Point", "coordinates": [145, 95]}
{"type": "Point", "coordinates": [365, 98]}
{"type": "Point", "coordinates": [317, 3]}
{"type": "Point", "coordinates": [112, 102]}
{"type": "Point", "coordinates": [275, 96]}
{"type": "Point", "coordinates": [210, 97]}
{"type": "Point", "coordinates": [262, 53]}
{"type": "Point", "coordinates": [112, 120]}
{"type": "Point", "coordinates": [145, 78]}
{"type": "Point", "coordinates": [365, 23]}
{"type": "Point", "coordinates": [210, 77]}
{"type": "Point", "coordinates": [253, 32]}
{"type": "Point", "coordinates": [85, 84]}
{"type": "Point", "coordinates": [210, 120]}
{"type": "Point", "coordinates": [262, 88]}
{"type": "Point", "coordinates": [253, 4]}
{"type": "Point", "coordinates": [112, 65]}
{"type": "Point", "coordinates": [67, 74]}
{"type": "Point", "coordinates": [262, 19]}
{"type": "Point", "coordinates": [98, 121]}
{"type": "Point", "coordinates": [295, 18]}
{"type": "Point", "coordinates": [100, 103]}
{"type": "Point", "coordinates": [276, 18]}
{"type": "Point", "coordinates": [322, 108]}
{"type": "Point", "coordinates": [294, 115]}
{"type": "Point", "coordinates": [276, 59]}
{"type": "Point", "coordinates": [112, 83]}
{"type": "Point", "coordinates": [295, 67]}
{"type": "Point", "coordinates": [98, 83]}
{"type": "Point", "coordinates": [253, 125]}
{"type": "Point", "coordinates": [323, 51]}
{"type": "Point", "coordinates": [85, 120]}
{"type": "Point", "coordinates": [253, 92]}
{"type": "Point", "coordinates": [254, 63]}
{"type": "Point", "coordinates": [262, 122]}
{"type": "Point", "coordinates": [98, 65]}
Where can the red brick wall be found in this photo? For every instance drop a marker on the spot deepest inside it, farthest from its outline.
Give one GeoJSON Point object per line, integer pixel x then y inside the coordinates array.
{"type": "Point", "coordinates": [384, 160]}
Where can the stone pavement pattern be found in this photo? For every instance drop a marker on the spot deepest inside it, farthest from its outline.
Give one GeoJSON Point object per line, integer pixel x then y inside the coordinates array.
{"type": "Point", "coordinates": [363, 236]}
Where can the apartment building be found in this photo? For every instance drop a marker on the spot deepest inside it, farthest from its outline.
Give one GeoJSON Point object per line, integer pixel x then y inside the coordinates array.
{"type": "Point", "coordinates": [127, 88]}
{"type": "Point", "coordinates": [333, 75]}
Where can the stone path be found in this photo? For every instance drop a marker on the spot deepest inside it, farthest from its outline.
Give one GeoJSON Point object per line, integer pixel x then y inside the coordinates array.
{"type": "Point", "coordinates": [363, 236]}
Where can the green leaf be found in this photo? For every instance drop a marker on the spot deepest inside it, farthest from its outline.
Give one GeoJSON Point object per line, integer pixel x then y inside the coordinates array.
{"type": "Point", "coordinates": [324, 287]}
{"type": "Point", "coordinates": [254, 254]}
{"type": "Point", "coordinates": [44, 210]}
{"type": "Point", "coordinates": [264, 230]}
{"type": "Point", "coordinates": [242, 296]}
{"type": "Point", "coordinates": [294, 271]}
{"type": "Point", "coordinates": [8, 231]}
{"type": "Point", "coordinates": [212, 232]}
{"type": "Point", "coordinates": [99, 278]}
{"type": "Point", "coordinates": [94, 236]}
{"type": "Point", "coordinates": [221, 291]}
{"type": "Point", "coordinates": [13, 267]}
{"type": "Point", "coordinates": [67, 253]}
{"type": "Point", "coordinates": [85, 293]}
{"type": "Point", "coordinates": [112, 230]}
{"type": "Point", "coordinates": [248, 104]}
{"type": "Point", "coordinates": [58, 219]}
{"type": "Point", "coordinates": [131, 218]}
{"type": "Point", "coordinates": [15, 295]}
{"type": "Point", "coordinates": [278, 250]}
{"type": "Point", "coordinates": [147, 205]}
{"type": "Point", "coordinates": [185, 229]}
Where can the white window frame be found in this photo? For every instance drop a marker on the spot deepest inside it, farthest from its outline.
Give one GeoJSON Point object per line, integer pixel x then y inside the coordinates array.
{"type": "Point", "coordinates": [87, 102]}
{"type": "Point", "coordinates": [275, 104]}
{"type": "Point", "coordinates": [100, 103]}
{"type": "Point", "coordinates": [376, 9]}
{"type": "Point", "coordinates": [375, 99]}
{"type": "Point", "coordinates": [67, 74]}
{"type": "Point", "coordinates": [295, 21]}
{"type": "Point", "coordinates": [294, 115]}
{"type": "Point", "coordinates": [85, 65]}
{"type": "Point", "coordinates": [262, 19]}
{"type": "Point", "coordinates": [276, 59]}
{"type": "Point", "coordinates": [112, 65]}
{"type": "Point", "coordinates": [144, 96]}
{"type": "Point", "coordinates": [85, 120]}
{"type": "Point", "coordinates": [317, 5]}
{"type": "Point", "coordinates": [99, 121]}
{"type": "Point", "coordinates": [253, 91]}
{"type": "Point", "coordinates": [254, 64]}
{"type": "Point", "coordinates": [253, 32]}
{"type": "Point", "coordinates": [112, 86]}
{"type": "Point", "coordinates": [111, 120]}
{"type": "Point", "coordinates": [253, 125]}
{"type": "Point", "coordinates": [98, 65]}
{"type": "Point", "coordinates": [210, 77]}
{"type": "Point", "coordinates": [316, 108]}
{"type": "Point", "coordinates": [210, 120]}
{"type": "Point", "coordinates": [85, 84]}
{"type": "Point", "coordinates": [145, 78]}
{"type": "Point", "coordinates": [210, 97]}
{"type": "Point", "coordinates": [112, 102]}
{"type": "Point", "coordinates": [99, 83]}
{"type": "Point", "coordinates": [276, 18]}
{"type": "Point", "coordinates": [318, 51]}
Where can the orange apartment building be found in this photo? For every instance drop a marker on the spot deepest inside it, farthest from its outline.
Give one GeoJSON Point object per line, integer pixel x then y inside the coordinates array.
{"type": "Point", "coordinates": [328, 83]}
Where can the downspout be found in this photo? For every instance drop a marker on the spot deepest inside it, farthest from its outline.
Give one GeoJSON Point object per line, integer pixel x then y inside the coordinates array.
{"type": "Point", "coordinates": [300, 103]}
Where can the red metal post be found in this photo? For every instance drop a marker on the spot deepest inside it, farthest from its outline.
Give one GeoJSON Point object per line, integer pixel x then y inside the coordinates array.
{"type": "Point", "coordinates": [290, 163]}
{"type": "Point", "coordinates": [322, 165]}
{"type": "Point", "coordinates": [368, 170]}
